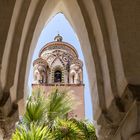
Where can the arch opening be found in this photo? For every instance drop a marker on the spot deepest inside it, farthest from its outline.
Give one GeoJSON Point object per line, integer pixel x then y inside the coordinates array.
{"type": "Point", "coordinates": [57, 76]}
{"type": "Point", "coordinates": [60, 24]}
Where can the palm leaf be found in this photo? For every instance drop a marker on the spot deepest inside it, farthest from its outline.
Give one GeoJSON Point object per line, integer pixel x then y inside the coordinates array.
{"type": "Point", "coordinates": [59, 103]}
{"type": "Point", "coordinates": [35, 132]}
{"type": "Point", "coordinates": [87, 128]}
{"type": "Point", "coordinates": [67, 130]}
{"type": "Point", "coordinates": [35, 109]}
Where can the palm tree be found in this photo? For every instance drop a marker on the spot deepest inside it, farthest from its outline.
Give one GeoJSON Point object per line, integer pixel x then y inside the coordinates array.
{"type": "Point", "coordinates": [46, 119]}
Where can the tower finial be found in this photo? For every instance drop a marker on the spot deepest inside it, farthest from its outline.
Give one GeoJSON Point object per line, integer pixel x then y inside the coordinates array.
{"type": "Point", "coordinates": [58, 38]}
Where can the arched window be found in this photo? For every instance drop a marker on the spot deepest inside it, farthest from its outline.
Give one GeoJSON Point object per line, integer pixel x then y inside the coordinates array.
{"type": "Point", "coordinates": [57, 76]}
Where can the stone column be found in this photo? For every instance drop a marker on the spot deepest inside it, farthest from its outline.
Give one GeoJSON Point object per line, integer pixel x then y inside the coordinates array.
{"type": "Point", "coordinates": [1, 134]}
{"type": "Point", "coordinates": [0, 85]}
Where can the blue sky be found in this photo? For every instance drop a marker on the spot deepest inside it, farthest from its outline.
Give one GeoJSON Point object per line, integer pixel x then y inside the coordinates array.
{"type": "Point", "coordinates": [59, 24]}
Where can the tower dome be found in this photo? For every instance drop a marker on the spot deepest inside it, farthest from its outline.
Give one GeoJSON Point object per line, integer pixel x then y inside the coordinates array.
{"type": "Point", "coordinates": [66, 50]}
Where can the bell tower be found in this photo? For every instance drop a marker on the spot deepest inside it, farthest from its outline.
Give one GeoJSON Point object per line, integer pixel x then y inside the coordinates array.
{"type": "Point", "coordinates": [58, 64]}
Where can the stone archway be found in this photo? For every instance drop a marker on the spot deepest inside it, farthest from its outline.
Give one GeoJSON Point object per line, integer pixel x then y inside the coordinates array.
{"type": "Point", "coordinates": [89, 38]}
{"type": "Point", "coordinates": [103, 75]}
{"type": "Point", "coordinates": [106, 37]}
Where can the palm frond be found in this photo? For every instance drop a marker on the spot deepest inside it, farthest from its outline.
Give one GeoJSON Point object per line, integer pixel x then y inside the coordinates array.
{"type": "Point", "coordinates": [34, 132]}
{"type": "Point", "coordinates": [35, 108]}
{"type": "Point", "coordinates": [87, 128]}
{"type": "Point", "coordinates": [59, 103]}
{"type": "Point", "coordinates": [67, 130]}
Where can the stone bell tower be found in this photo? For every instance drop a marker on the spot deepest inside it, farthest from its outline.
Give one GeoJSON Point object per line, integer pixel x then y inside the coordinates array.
{"type": "Point", "coordinates": [58, 65]}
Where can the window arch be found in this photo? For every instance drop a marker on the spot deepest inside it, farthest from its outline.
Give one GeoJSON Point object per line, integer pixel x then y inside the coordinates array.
{"type": "Point", "coordinates": [57, 76]}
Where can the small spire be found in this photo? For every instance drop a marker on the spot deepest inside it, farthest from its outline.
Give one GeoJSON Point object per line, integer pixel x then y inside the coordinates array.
{"type": "Point", "coordinates": [58, 38]}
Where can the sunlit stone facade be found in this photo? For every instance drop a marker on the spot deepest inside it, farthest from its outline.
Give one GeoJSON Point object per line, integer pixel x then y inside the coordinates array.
{"type": "Point", "coordinates": [58, 65]}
